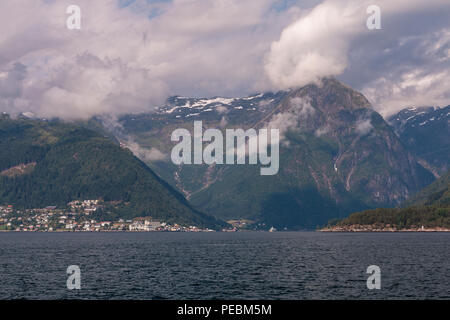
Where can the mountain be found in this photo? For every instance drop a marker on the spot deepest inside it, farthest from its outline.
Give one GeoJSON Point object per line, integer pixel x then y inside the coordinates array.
{"type": "Point", "coordinates": [429, 209]}
{"type": "Point", "coordinates": [436, 194]}
{"type": "Point", "coordinates": [337, 156]}
{"type": "Point", "coordinates": [425, 131]}
{"type": "Point", "coordinates": [46, 163]}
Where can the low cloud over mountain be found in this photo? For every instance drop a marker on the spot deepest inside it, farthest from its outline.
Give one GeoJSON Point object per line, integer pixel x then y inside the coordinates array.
{"type": "Point", "coordinates": [129, 56]}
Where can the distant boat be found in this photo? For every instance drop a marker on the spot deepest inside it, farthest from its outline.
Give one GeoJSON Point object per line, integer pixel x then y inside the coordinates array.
{"type": "Point", "coordinates": [272, 229]}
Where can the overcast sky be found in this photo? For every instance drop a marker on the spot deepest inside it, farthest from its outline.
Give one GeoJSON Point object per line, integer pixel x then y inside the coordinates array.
{"type": "Point", "coordinates": [129, 56]}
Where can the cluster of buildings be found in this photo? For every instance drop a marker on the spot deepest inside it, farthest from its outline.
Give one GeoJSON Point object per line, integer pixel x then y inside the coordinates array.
{"type": "Point", "coordinates": [148, 224]}
{"type": "Point", "coordinates": [78, 216]}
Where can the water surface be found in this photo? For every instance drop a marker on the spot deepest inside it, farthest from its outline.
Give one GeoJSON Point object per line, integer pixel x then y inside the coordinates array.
{"type": "Point", "coordinates": [243, 265]}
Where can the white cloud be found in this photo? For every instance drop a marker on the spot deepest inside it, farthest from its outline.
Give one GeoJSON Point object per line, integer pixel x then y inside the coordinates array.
{"type": "Point", "coordinates": [146, 155]}
{"type": "Point", "coordinates": [332, 40]}
{"type": "Point", "coordinates": [321, 131]}
{"type": "Point", "coordinates": [223, 122]}
{"type": "Point", "coordinates": [363, 127]}
{"type": "Point", "coordinates": [11, 81]}
{"type": "Point", "coordinates": [121, 61]}
{"type": "Point", "coordinates": [316, 45]}
{"type": "Point", "coordinates": [299, 111]}
{"type": "Point", "coordinates": [424, 81]}
{"type": "Point", "coordinates": [221, 109]}
{"type": "Point", "coordinates": [91, 86]}
{"type": "Point", "coordinates": [301, 107]}
{"type": "Point", "coordinates": [416, 88]}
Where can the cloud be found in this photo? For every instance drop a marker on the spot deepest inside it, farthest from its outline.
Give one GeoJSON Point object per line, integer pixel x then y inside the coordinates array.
{"type": "Point", "coordinates": [146, 155]}
{"type": "Point", "coordinates": [315, 46]}
{"type": "Point", "coordinates": [11, 86]}
{"type": "Point", "coordinates": [223, 122]}
{"type": "Point", "coordinates": [221, 109]}
{"type": "Point", "coordinates": [301, 107]}
{"type": "Point", "coordinates": [131, 57]}
{"type": "Point", "coordinates": [113, 125]}
{"type": "Point", "coordinates": [91, 86]}
{"type": "Point", "coordinates": [363, 127]}
{"type": "Point", "coordinates": [321, 131]}
{"type": "Point", "coordinates": [299, 111]}
{"type": "Point", "coordinates": [404, 63]}
{"type": "Point", "coordinates": [421, 79]}
{"type": "Point", "coordinates": [128, 58]}
{"type": "Point", "coordinates": [11, 81]}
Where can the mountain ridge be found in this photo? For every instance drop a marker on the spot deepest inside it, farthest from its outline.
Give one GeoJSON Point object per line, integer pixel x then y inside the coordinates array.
{"type": "Point", "coordinates": [337, 156]}
{"type": "Point", "coordinates": [75, 163]}
{"type": "Point", "coordinates": [425, 131]}
{"type": "Point", "coordinates": [429, 210]}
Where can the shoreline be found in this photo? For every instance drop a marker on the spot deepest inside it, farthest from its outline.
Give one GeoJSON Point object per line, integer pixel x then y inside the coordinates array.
{"type": "Point", "coordinates": [324, 230]}
{"type": "Point", "coordinates": [371, 228]}
{"type": "Point", "coordinates": [104, 231]}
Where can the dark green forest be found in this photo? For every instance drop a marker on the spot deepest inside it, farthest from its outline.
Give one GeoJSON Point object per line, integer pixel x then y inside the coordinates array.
{"type": "Point", "coordinates": [75, 163]}
{"type": "Point", "coordinates": [429, 208]}
{"type": "Point", "coordinates": [412, 217]}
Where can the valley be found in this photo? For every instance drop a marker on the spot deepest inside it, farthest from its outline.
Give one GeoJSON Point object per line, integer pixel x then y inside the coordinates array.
{"type": "Point", "coordinates": [337, 156]}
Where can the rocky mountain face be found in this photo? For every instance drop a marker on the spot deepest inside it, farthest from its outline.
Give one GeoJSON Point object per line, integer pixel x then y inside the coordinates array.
{"type": "Point", "coordinates": [428, 210]}
{"type": "Point", "coordinates": [425, 131]}
{"type": "Point", "coordinates": [337, 156]}
{"type": "Point", "coordinates": [436, 194]}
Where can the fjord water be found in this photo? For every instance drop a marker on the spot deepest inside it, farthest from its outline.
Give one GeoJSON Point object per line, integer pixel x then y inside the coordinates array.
{"type": "Point", "coordinates": [243, 265]}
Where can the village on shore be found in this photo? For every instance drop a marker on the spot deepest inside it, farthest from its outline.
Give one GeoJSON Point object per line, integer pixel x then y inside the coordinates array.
{"type": "Point", "coordinates": [79, 216]}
